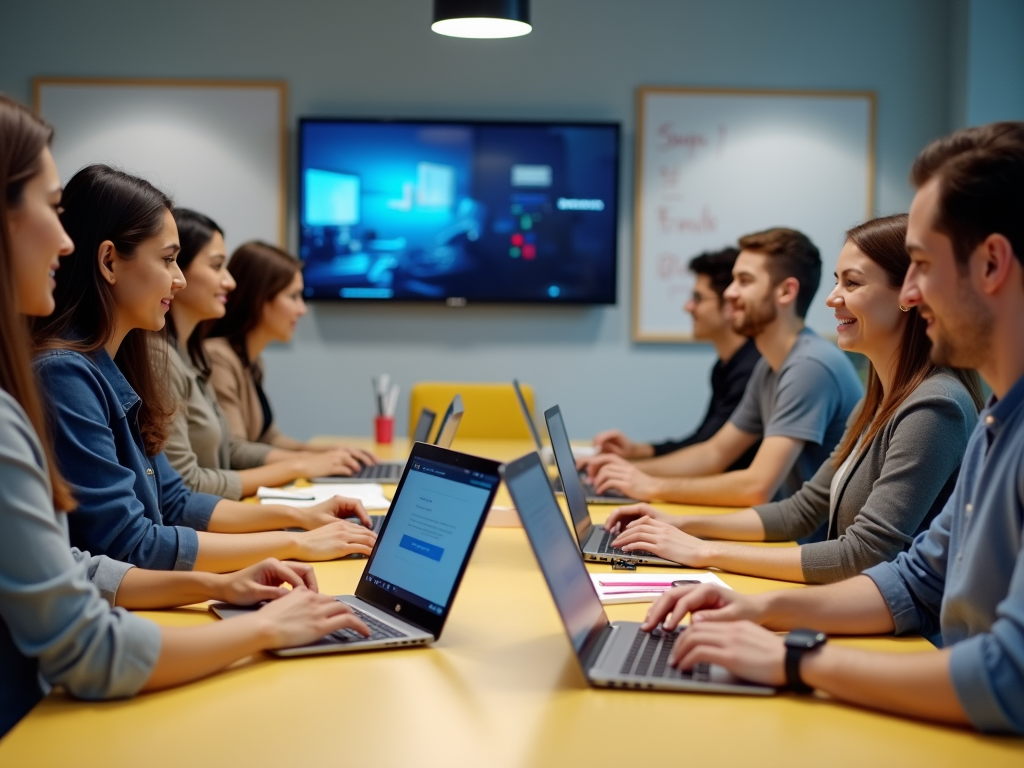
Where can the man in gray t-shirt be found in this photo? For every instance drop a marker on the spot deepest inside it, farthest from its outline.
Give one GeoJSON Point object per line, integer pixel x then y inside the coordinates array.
{"type": "Point", "coordinates": [796, 402]}
{"type": "Point", "coordinates": [808, 398]}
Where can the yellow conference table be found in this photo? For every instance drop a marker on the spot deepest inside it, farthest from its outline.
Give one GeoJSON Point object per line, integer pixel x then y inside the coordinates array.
{"type": "Point", "coordinates": [500, 688]}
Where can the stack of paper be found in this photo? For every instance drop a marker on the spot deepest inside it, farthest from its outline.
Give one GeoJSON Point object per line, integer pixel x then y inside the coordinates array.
{"type": "Point", "coordinates": [371, 494]}
{"type": "Point", "coordinates": [643, 587]}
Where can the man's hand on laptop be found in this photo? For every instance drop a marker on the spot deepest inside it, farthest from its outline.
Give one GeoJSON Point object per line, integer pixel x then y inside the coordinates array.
{"type": "Point", "coordinates": [335, 508]}
{"type": "Point", "coordinates": [615, 441]}
{"type": "Point", "coordinates": [620, 475]}
{"type": "Point", "coordinates": [302, 617]}
{"type": "Point", "coordinates": [623, 516]}
{"type": "Point", "coordinates": [745, 649]}
{"type": "Point", "coordinates": [705, 602]}
{"type": "Point", "coordinates": [329, 542]}
{"type": "Point", "coordinates": [265, 580]}
{"type": "Point", "coordinates": [336, 461]}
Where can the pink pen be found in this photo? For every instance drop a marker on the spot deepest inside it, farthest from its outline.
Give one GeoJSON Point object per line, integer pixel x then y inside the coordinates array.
{"type": "Point", "coordinates": [664, 584]}
{"type": "Point", "coordinates": [642, 590]}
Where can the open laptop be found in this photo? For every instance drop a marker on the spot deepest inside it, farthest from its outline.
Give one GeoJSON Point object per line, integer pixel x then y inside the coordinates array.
{"type": "Point", "coordinates": [409, 582]}
{"type": "Point", "coordinates": [545, 453]}
{"type": "Point", "coordinates": [568, 466]}
{"type": "Point", "coordinates": [611, 655]}
{"type": "Point", "coordinates": [390, 471]}
{"type": "Point", "coordinates": [594, 541]}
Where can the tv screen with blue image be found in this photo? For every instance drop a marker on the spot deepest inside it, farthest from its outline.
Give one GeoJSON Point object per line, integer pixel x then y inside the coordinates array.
{"type": "Point", "coordinates": [458, 211]}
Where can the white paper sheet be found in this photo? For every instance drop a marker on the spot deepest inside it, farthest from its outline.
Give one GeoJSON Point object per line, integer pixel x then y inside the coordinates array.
{"type": "Point", "coordinates": [643, 587]}
{"type": "Point", "coordinates": [371, 494]}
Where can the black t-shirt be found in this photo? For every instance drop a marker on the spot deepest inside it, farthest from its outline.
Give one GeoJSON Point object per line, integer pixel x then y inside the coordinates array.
{"type": "Point", "coordinates": [728, 382]}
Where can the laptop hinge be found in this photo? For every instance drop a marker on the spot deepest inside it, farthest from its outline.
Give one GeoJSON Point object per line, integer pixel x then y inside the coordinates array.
{"type": "Point", "coordinates": [593, 653]}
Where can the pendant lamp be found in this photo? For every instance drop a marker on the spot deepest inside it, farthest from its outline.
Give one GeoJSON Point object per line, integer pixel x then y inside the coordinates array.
{"type": "Point", "coordinates": [482, 18]}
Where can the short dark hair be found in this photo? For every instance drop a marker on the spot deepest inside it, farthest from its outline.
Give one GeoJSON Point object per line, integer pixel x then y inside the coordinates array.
{"type": "Point", "coordinates": [980, 174]}
{"type": "Point", "coordinates": [792, 254]}
{"type": "Point", "coordinates": [717, 266]}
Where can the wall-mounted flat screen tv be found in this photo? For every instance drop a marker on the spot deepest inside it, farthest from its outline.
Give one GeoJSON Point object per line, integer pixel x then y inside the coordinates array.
{"type": "Point", "coordinates": [457, 212]}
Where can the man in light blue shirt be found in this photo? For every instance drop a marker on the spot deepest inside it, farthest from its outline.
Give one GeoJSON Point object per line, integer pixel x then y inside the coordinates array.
{"type": "Point", "coordinates": [964, 576]}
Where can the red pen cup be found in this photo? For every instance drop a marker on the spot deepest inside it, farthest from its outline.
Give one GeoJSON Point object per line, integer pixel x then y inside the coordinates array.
{"type": "Point", "coordinates": [384, 428]}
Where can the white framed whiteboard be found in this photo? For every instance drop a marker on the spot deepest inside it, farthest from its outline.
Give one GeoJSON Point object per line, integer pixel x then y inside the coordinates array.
{"type": "Point", "coordinates": [713, 165]}
{"type": "Point", "coordinates": [216, 146]}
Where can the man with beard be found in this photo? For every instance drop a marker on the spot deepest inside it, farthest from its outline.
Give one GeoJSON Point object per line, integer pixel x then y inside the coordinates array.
{"type": "Point", "coordinates": [796, 402]}
{"type": "Point", "coordinates": [964, 576]}
{"type": "Point", "coordinates": [737, 356]}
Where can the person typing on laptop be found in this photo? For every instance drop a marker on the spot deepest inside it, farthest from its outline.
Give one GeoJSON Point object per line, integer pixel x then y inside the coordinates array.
{"type": "Point", "coordinates": [737, 356]}
{"type": "Point", "coordinates": [797, 401]}
{"type": "Point", "coordinates": [964, 576]}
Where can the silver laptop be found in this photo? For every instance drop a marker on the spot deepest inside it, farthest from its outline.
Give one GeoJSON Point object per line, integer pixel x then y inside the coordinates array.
{"type": "Point", "coordinates": [611, 655]}
{"type": "Point", "coordinates": [390, 471]}
{"type": "Point", "coordinates": [410, 581]}
{"type": "Point", "coordinates": [568, 467]}
{"type": "Point", "coordinates": [594, 541]}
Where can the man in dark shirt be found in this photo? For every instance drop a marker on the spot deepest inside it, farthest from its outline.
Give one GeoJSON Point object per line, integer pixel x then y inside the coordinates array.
{"type": "Point", "coordinates": [737, 356]}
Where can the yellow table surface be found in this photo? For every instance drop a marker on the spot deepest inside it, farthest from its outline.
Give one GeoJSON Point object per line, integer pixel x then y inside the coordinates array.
{"type": "Point", "coordinates": [500, 688]}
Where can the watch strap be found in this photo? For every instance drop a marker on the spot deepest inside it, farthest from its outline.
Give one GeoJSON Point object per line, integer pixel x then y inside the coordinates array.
{"type": "Point", "coordinates": [793, 680]}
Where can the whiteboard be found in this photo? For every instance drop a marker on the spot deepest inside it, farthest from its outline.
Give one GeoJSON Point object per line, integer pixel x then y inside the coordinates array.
{"type": "Point", "coordinates": [715, 165]}
{"type": "Point", "coordinates": [214, 146]}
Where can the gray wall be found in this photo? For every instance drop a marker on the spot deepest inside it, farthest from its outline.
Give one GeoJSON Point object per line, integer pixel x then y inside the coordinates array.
{"type": "Point", "coordinates": [583, 61]}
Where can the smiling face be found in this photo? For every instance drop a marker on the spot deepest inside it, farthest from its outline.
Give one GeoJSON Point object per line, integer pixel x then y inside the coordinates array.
{"type": "Point", "coordinates": [144, 284]}
{"type": "Point", "coordinates": [867, 307]}
{"type": "Point", "coordinates": [959, 321]}
{"type": "Point", "coordinates": [281, 314]}
{"type": "Point", "coordinates": [37, 239]}
{"type": "Point", "coordinates": [751, 295]}
{"type": "Point", "coordinates": [209, 284]}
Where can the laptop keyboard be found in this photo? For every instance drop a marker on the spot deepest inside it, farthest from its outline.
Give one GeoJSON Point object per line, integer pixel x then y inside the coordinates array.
{"type": "Point", "coordinates": [648, 657]}
{"type": "Point", "coordinates": [378, 629]}
{"type": "Point", "coordinates": [605, 548]}
{"type": "Point", "coordinates": [591, 492]}
{"type": "Point", "coordinates": [379, 472]}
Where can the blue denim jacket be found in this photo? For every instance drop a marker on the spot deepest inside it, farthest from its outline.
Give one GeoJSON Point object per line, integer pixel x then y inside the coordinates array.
{"type": "Point", "coordinates": [130, 507]}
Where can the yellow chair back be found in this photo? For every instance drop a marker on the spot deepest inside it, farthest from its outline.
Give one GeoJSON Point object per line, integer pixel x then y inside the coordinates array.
{"type": "Point", "coordinates": [492, 411]}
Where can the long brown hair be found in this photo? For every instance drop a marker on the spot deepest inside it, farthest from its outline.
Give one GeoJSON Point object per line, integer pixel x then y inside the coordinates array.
{"type": "Point", "coordinates": [23, 137]}
{"type": "Point", "coordinates": [195, 231]}
{"type": "Point", "coordinates": [261, 271]}
{"type": "Point", "coordinates": [100, 204]}
{"type": "Point", "coordinates": [883, 241]}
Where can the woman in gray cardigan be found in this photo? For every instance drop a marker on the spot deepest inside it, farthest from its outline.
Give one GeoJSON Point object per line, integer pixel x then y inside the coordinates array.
{"type": "Point", "coordinates": [201, 447]}
{"type": "Point", "coordinates": [893, 469]}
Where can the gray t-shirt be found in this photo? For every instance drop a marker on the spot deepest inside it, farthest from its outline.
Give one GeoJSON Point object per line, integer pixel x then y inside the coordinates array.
{"type": "Point", "coordinates": [809, 398]}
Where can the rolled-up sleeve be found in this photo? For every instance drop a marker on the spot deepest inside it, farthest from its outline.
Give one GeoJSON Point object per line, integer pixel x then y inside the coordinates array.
{"type": "Point", "coordinates": [105, 573]}
{"type": "Point", "coordinates": [912, 585]}
{"type": "Point", "coordinates": [988, 669]}
{"type": "Point", "coordinates": [52, 610]}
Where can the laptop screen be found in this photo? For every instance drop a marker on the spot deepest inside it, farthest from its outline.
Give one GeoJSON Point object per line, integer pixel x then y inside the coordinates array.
{"type": "Point", "coordinates": [527, 415]}
{"type": "Point", "coordinates": [575, 498]}
{"type": "Point", "coordinates": [560, 561]}
{"type": "Point", "coordinates": [449, 423]}
{"type": "Point", "coordinates": [433, 522]}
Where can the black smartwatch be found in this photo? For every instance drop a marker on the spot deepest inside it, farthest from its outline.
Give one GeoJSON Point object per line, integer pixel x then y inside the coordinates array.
{"type": "Point", "coordinates": [799, 642]}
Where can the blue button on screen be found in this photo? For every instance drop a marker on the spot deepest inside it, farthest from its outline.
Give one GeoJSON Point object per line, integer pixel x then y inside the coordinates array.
{"type": "Point", "coordinates": [421, 548]}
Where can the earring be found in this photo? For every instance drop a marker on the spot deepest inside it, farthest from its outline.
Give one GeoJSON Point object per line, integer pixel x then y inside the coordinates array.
{"type": "Point", "coordinates": [904, 309]}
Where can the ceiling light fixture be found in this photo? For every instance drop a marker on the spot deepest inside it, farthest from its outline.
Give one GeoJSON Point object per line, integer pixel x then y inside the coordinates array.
{"type": "Point", "coordinates": [482, 18]}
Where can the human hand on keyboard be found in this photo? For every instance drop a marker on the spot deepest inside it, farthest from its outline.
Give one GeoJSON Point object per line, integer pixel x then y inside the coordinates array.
{"type": "Point", "coordinates": [745, 649]}
{"type": "Point", "coordinates": [705, 603]}
{"type": "Point", "coordinates": [623, 516]}
{"type": "Point", "coordinates": [619, 475]}
{"type": "Point", "coordinates": [329, 542]}
{"type": "Point", "coordinates": [265, 580]}
{"type": "Point", "coordinates": [335, 508]}
{"type": "Point", "coordinates": [664, 540]}
{"type": "Point", "coordinates": [302, 617]}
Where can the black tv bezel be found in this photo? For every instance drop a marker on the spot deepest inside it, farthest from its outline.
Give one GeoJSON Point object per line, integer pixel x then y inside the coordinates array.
{"type": "Point", "coordinates": [462, 301]}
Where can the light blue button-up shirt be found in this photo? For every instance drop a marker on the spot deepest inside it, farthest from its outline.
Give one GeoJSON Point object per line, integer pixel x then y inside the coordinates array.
{"type": "Point", "coordinates": [964, 576]}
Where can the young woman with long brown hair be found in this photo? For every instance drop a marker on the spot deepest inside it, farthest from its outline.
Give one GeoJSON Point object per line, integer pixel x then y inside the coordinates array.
{"type": "Point", "coordinates": [58, 620]}
{"type": "Point", "coordinates": [201, 447]}
{"type": "Point", "coordinates": [111, 410]}
{"type": "Point", "coordinates": [894, 467]}
{"type": "Point", "coordinates": [264, 307]}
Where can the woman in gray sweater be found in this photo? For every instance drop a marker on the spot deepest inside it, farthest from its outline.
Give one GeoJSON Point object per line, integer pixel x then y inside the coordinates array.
{"type": "Point", "coordinates": [200, 446]}
{"type": "Point", "coordinates": [891, 473]}
{"type": "Point", "coordinates": [62, 611]}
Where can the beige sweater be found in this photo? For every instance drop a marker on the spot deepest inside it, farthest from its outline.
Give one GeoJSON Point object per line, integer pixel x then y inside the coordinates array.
{"type": "Point", "coordinates": [201, 447]}
{"type": "Point", "coordinates": [236, 393]}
